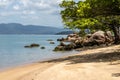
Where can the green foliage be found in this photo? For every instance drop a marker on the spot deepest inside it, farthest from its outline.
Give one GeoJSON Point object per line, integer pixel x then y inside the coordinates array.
{"type": "Point", "coordinates": [68, 13]}
{"type": "Point", "coordinates": [92, 14]}
{"type": "Point", "coordinates": [76, 15]}
{"type": "Point", "coordinates": [83, 9]}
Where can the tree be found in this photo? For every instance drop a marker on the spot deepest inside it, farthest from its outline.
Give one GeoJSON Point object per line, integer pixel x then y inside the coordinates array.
{"type": "Point", "coordinates": [107, 12]}
{"type": "Point", "coordinates": [92, 14]}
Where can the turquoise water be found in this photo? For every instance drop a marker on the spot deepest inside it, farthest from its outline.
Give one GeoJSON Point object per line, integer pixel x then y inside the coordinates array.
{"type": "Point", "coordinates": [13, 53]}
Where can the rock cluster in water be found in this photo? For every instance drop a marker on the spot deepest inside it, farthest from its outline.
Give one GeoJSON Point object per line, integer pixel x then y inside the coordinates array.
{"type": "Point", "coordinates": [98, 38]}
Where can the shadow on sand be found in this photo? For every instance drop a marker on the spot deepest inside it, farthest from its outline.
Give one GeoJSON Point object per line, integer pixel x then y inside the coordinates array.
{"type": "Point", "coordinates": [89, 58]}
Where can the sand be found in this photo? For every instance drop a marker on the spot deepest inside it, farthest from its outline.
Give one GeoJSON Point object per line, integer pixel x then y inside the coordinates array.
{"type": "Point", "coordinates": [94, 64]}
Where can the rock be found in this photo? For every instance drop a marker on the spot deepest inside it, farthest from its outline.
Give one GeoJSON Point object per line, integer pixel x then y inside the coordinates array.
{"type": "Point", "coordinates": [59, 48]}
{"type": "Point", "coordinates": [88, 35]}
{"type": "Point", "coordinates": [71, 39]}
{"type": "Point", "coordinates": [42, 47]}
{"type": "Point", "coordinates": [63, 47]}
{"type": "Point", "coordinates": [78, 44]}
{"type": "Point", "coordinates": [32, 45]}
{"type": "Point", "coordinates": [62, 39]}
{"type": "Point", "coordinates": [97, 38]}
{"type": "Point", "coordinates": [99, 33]}
{"type": "Point", "coordinates": [49, 40]}
{"type": "Point", "coordinates": [72, 35]}
{"type": "Point", "coordinates": [70, 46]}
{"type": "Point", "coordinates": [27, 46]}
{"type": "Point", "coordinates": [52, 42]}
{"type": "Point", "coordinates": [109, 38]}
{"type": "Point", "coordinates": [62, 44]}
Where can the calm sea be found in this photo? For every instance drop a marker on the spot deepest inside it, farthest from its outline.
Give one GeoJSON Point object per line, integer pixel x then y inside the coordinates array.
{"type": "Point", "coordinates": [13, 53]}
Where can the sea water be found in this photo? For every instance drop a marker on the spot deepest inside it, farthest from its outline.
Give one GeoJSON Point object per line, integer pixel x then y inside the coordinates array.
{"type": "Point", "coordinates": [13, 53]}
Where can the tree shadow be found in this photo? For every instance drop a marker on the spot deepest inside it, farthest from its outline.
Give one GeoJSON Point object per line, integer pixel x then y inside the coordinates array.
{"type": "Point", "coordinates": [89, 58]}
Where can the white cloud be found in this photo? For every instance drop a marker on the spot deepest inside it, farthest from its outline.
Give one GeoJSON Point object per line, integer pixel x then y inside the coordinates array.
{"type": "Point", "coordinates": [28, 12]}
{"type": "Point", "coordinates": [25, 2]}
{"type": "Point", "coordinates": [4, 3]}
{"type": "Point", "coordinates": [34, 5]}
{"type": "Point", "coordinates": [29, 9]}
{"type": "Point", "coordinates": [41, 5]}
{"type": "Point", "coordinates": [16, 7]}
{"type": "Point", "coordinates": [9, 13]}
{"type": "Point", "coordinates": [30, 17]}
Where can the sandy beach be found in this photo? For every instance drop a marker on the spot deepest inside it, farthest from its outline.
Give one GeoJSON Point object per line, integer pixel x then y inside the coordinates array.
{"type": "Point", "coordinates": [93, 64]}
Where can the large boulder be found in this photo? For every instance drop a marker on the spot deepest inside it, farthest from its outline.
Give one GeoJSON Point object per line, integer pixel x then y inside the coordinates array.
{"type": "Point", "coordinates": [98, 38]}
{"type": "Point", "coordinates": [109, 37]}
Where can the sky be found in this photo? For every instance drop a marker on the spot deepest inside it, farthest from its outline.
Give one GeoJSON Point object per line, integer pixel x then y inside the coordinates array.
{"type": "Point", "coordinates": [27, 12]}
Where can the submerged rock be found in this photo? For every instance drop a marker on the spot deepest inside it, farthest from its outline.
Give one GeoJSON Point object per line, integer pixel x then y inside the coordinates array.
{"type": "Point", "coordinates": [42, 47]}
{"type": "Point", "coordinates": [32, 45]}
{"type": "Point", "coordinates": [49, 40]}
{"type": "Point", "coordinates": [52, 42]}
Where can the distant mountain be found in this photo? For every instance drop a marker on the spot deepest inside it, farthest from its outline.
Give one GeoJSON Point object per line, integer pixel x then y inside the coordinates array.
{"type": "Point", "coordinates": [15, 28]}
{"type": "Point", "coordinates": [65, 32]}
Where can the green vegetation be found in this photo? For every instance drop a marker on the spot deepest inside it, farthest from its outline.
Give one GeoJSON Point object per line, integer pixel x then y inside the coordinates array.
{"type": "Point", "coordinates": [93, 15]}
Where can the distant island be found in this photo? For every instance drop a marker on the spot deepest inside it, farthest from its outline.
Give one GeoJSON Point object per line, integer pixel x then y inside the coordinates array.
{"type": "Point", "coordinates": [16, 28]}
{"type": "Point", "coordinates": [65, 32]}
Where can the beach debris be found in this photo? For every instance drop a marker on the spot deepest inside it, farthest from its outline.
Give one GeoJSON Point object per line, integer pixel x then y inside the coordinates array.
{"type": "Point", "coordinates": [32, 45]}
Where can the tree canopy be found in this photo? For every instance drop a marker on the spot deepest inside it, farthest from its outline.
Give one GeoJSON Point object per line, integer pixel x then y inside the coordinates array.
{"type": "Point", "coordinates": [92, 14]}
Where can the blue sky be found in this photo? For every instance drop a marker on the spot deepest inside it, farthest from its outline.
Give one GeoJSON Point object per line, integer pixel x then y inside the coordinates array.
{"type": "Point", "coordinates": [36, 12]}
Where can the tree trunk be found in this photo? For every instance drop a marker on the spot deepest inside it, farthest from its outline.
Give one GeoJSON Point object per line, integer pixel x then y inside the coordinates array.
{"type": "Point", "coordinates": [116, 31]}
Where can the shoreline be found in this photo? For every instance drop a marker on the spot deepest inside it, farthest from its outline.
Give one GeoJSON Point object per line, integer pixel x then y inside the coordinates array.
{"type": "Point", "coordinates": [39, 61]}
{"type": "Point", "coordinates": [72, 62]}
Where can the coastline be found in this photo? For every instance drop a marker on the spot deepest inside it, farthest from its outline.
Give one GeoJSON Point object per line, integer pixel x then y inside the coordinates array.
{"type": "Point", "coordinates": [74, 67]}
